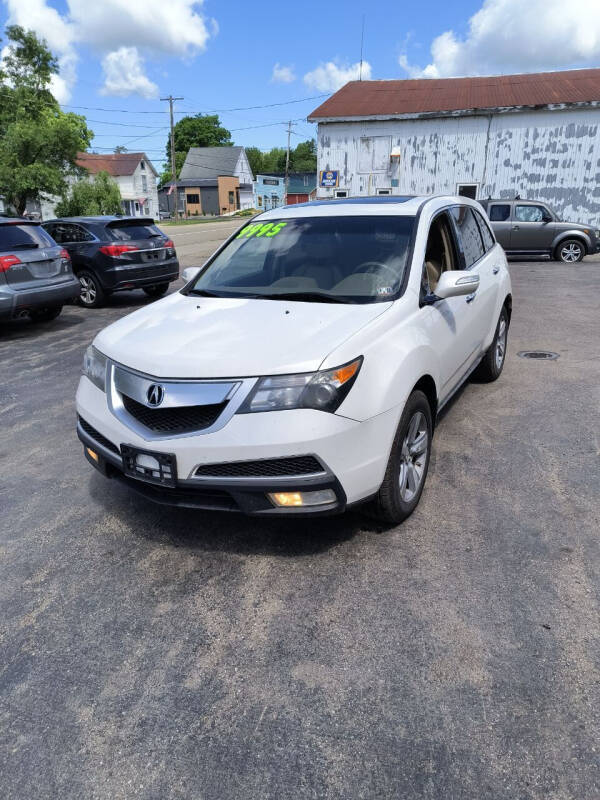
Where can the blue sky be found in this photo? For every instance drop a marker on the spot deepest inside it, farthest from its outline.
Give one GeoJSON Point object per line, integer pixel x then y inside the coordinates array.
{"type": "Point", "coordinates": [122, 55]}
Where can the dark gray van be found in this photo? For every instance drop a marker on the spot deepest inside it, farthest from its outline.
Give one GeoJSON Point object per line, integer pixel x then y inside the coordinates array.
{"type": "Point", "coordinates": [36, 278]}
{"type": "Point", "coordinates": [528, 227]}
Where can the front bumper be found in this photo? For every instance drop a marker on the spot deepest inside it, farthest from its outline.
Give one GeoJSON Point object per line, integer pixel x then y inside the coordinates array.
{"type": "Point", "coordinates": [14, 301]}
{"type": "Point", "coordinates": [133, 276]}
{"type": "Point", "coordinates": [354, 455]}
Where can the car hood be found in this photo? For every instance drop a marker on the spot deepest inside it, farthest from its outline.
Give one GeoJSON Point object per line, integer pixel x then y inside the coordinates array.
{"type": "Point", "coordinates": [208, 337]}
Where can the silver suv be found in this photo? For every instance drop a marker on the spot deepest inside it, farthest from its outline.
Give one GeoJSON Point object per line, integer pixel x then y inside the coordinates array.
{"type": "Point", "coordinates": [36, 278]}
{"type": "Point", "coordinates": [526, 227]}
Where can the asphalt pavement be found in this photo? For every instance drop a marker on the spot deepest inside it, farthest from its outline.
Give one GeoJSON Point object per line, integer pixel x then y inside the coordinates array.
{"type": "Point", "coordinates": [158, 653]}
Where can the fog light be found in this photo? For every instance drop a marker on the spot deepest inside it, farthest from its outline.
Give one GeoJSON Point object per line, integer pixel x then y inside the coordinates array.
{"type": "Point", "coordinates": [92, 454]}
{"type": "Point", "coordinates": [295, 499]}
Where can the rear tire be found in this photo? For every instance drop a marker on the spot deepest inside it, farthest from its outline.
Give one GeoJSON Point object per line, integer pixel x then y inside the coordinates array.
{"type": "Point", "coordinates": [45, 314]}
{"type": "Point", "coordinates": [407, 467]}
{"type": "Point", "coordinates": [491, 365]}
{"type": "Point", "coordinates": [92, 294]}
{"type": "Point", "coordinates": [157, 290]}
{"type": "Point", "coordinates": [570, 251]}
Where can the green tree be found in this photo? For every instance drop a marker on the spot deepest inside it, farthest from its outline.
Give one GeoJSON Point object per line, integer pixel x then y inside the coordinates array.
{"type": "Point", "coordinates": [202, 130]}
{"type": "Point", "coordinates": [38, 142]}
{"type": "Point", "coordinates": [166, 176]}
{"type": "Point", "coordinates": [91, 197]}
{"type": "Point", "coordinates": [304, 157]}
{"type": "Point", "coordinates": [120, 148]}
{"type": "Point", "coordinates": [255, 159]}
{"type": "Point", "coordinates": [274, 160]}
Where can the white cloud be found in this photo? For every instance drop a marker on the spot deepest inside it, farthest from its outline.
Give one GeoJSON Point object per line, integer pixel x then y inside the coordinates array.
{"type": "Point", "coordinates": [332, 76]}
{"type": "Point", "coordinates": [511, 36]}
{"type": "Point", "coordinates": [59, 34]}
{"type": "Point", "coordinates": [165, 26]}
{"type": "Point", "coordinates": [112, 27]}
{"type": "Point", "coordinates": [124, 74]}
{"type": "Point", "coordinates": [282, 74]}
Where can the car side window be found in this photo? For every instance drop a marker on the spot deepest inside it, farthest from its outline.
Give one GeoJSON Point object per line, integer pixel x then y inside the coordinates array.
{"type": "Point", "coordinates": [529, 213]}
{"type": "Point", "coordinates": [440, 253]}
{"type": "Point", "coordinates": [468, 234]}
{"type": "Point", "coordinates": [68, 233]}
{"type": "Point", "coordinates": [486, 234]}
{"type": "Point", "coordinates": [499, 212]}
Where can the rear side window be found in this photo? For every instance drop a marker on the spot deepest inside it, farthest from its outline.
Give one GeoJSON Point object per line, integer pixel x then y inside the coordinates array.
{"type": "Point", "coordinates": [133, 231]}
{"type": "Point", "coordinates": [529, 213]}
{"type": "Point", "coordinates": [486, 234]}
{"type": "Point", "coordinates": [468, 234]}
{"type": "Point", "coordinates": [64, 233]}
{"type": "Point", "coordinates": [499, 212]}
{"type": "Point", "coordinates": [21, 237]}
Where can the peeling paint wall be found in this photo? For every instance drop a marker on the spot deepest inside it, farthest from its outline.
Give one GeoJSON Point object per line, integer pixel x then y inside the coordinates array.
{"type": "Point", "coordinates": [548, 155]}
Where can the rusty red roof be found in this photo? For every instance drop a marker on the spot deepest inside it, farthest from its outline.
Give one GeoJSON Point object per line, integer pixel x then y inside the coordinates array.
{"type": "Point", "coordinates": [431, 95]}
{"type": "Point", "coordinates": [113, 163]}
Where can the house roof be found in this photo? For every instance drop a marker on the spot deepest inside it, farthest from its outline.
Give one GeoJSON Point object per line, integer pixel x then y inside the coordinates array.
{"type": "Point", "coordinates": [431, 95]}
{"type": "Point", "coordinates": [210, 162]}
{"type": "Point", "coordinates": [114, 163]}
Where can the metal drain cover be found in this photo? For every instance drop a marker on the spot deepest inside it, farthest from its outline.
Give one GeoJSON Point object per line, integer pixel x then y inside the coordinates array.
{"type": "Point", "coordinates": [541, 355]}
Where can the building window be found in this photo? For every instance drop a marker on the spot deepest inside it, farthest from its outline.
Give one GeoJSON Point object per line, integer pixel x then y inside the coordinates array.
{"type": "Point", "coordinates": [144, 183]}
{"type": "Point", "coordinates": [231, 198]}
{"type": "Point", "coordinates": [384, 191]}
{"type": "Point", "coordinates": [467, 190]}
{"type": "Point", "coordinates": [341, 193]}
{"type": "Point", "coordinates": [374, 153]}
{"type": "Point", "coordinates": [142, 165]}
{"type": "Point", "coordinates": [260, 201]}
{"type": "Point", "coordinates": [193, 199]}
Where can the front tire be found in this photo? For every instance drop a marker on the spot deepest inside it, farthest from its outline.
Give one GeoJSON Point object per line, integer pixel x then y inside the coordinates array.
{"type": "Point", "coordinates": [570, 251]}
{"type": "Point", "coordinates": [92, 295]}
{"type": "Point", "coordinates": [491, 365]}
{"type": "Point", "coordinates": [157, 290]}
{"type": "Point", "coordinates": [407, 467]}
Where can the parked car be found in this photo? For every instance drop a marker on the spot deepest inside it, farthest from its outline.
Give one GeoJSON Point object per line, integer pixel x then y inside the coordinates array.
{"type": "Point", "coordinates": [302, 369]}
{"type": "Point", "coordinates": [36, 278]}
{"type": "Point", "coordinates": [114, 253]}
{"type": "Point", "coordinates": [526, 227]}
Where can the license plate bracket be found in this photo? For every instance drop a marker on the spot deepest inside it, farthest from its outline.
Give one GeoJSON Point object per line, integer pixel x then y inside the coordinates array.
{"type": "Point", "coordinates": [149, 466]}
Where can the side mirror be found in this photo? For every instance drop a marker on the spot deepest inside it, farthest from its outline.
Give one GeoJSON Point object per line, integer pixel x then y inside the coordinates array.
{"type": "Point", "coordinates": [189, 273]}
{"type": "Point", "coordinates": [546, 218]}
{"type": "Point", "coordinates": [454, 283]}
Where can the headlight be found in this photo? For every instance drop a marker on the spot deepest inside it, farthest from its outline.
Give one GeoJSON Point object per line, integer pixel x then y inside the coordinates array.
{"type": "Point", "coordinates": [597, 234]}
{"type": "Point", "coordinates": [323, 391]}
{"type": "Point", "coordinates": [94, 367]}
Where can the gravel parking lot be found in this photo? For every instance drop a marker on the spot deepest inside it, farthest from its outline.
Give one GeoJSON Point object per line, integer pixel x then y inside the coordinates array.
{"type": "Point", "coordinates": [157, 653]}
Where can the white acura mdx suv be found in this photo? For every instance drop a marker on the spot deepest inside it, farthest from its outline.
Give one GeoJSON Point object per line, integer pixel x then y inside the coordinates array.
{"type": "Point", "coordinates": [301, 369]}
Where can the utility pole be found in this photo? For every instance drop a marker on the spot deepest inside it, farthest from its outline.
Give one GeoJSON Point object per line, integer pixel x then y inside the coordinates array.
{"type": "Point", "coordinates": [171, 100]}
{"type": "Point", "coordinates": [287, 162]}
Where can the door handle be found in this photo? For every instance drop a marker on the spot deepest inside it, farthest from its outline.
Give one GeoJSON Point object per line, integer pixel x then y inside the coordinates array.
{"type": "Point", "coordinates": [470, 297]}
{"type": "Point", "coordinates": [516, 228]}
{"type": "Point", "coordinates": [496, 270]}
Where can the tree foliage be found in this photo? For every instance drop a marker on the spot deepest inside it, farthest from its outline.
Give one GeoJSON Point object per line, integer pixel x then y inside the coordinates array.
{"type": "Point", "coordinates": [303, 158]}
{"type": "Point", "coordinates": [202, 130]}
{"type": "Point", "coordinates": [38, 142]}
{"type": "Point", "coordinates": [166, 176]}
{"type": "Point", "coordinates": [91, 197]}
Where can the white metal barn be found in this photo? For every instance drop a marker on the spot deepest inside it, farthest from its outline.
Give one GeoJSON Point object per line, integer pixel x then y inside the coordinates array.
{"type": "Point", "coordinates": [536, 135]}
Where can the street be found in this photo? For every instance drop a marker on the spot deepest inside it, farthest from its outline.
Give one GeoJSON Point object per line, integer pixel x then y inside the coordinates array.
{"type": "Point", "coordinates": [160, 653]}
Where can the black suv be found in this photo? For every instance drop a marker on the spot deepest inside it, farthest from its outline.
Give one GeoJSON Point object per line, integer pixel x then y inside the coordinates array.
{"type": "Point", "coordinates": [110, 254]}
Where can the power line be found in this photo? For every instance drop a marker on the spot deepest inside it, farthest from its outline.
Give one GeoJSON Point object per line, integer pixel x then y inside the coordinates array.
{"type": "Point", "coordinates": [206, 111]}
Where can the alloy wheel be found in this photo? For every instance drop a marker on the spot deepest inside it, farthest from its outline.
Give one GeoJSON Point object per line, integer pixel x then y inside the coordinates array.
{"type": "Point", "coordinates": [413, 457]}
{"type": "Point", "coordinates": [570, 253]}
{"type": "Point", "coordinates": [500, 344]}
{"type": "Point", "coordinates": [88, 290]}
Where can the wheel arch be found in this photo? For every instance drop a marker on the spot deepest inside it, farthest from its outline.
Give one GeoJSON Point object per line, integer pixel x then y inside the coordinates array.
{"type": "Point", "coordinates": [508, 306]}
{"type": "Point", "coordinates": [426, 384]}
{"type": "Point", "coordinates": [580, 236]}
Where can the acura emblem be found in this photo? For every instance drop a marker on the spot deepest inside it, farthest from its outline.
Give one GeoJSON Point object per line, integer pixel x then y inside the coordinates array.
{"type": "Point", "coordinates": [155, 394]}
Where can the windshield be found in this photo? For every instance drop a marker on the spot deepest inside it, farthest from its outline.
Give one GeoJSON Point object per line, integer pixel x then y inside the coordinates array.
{"type": "Point", "coordinates": [320, 259]}
{"type": "Point", "coordinates": [21, 236]}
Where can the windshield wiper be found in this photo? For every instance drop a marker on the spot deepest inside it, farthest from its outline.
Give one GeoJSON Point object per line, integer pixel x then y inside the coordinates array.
{"type": "Point", "coordinates": [311, 297]}
{"type": "Point", "coordinates": [204, 293]}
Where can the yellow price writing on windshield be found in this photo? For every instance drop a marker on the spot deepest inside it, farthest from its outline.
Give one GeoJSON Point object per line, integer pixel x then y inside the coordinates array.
{"type": "Point", "coordinates": [267, 229]}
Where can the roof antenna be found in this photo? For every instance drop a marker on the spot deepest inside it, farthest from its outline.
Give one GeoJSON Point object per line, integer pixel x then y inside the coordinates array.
{"type": "Point", "coordinates": [362, 38]}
